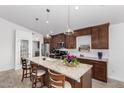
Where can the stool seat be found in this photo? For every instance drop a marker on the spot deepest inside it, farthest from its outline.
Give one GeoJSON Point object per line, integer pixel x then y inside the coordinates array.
{"type": "Point", "coordinates": [39, 72]}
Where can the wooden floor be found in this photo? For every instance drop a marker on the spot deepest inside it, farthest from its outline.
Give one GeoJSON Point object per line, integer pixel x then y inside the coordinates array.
{"type": "Point", "coordinates": [12, 79]}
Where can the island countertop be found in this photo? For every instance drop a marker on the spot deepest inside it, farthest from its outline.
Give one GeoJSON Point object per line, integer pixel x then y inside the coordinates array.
{"type": "Point", "coordinates": [57, 65]}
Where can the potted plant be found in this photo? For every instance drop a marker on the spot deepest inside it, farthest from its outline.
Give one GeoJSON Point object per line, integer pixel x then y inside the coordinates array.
{"type": "Point", "coordinates": [71, 60]}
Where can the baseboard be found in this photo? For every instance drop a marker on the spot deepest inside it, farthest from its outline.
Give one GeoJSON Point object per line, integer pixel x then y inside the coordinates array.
{"type": "Point", "coordinates": [18, 67]}
{"type": "Point", "coordinates": [6, 69]}
{"type": "Point", "coordinates": [115, 78]}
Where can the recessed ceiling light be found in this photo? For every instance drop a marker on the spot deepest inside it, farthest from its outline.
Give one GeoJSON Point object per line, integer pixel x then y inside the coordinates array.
{"type": "Point", "coordinates": [47, 21]}
{"type": "Point", "coordinates": [76, 7]}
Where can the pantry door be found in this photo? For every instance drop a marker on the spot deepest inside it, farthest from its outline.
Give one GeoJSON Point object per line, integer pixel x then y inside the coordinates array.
{"type": "Point", "coordinates": [23, 46]}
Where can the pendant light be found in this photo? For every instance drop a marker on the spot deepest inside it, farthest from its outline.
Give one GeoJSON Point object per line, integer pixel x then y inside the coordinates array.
{"type": "Point", "coordinates": [69, 31]}
{"type": "Point", "coordinates": [47, 22]}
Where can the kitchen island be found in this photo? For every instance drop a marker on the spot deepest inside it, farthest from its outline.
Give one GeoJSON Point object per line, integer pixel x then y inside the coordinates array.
{"type": "Point", "coordinates": [79, 76]}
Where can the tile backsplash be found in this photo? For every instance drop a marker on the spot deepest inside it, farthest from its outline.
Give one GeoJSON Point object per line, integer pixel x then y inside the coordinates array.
{"type": "Point", "coordinates": [91, 53]}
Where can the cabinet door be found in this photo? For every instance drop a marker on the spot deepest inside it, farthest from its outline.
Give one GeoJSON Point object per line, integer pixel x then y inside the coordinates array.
{"type": "Point", "coordinates": [100, 71]}
{"type": "Point", "coordinates": [99, 37]}
{"type": "Point", "coordinates": [70, 42]}
{"type": "Point", "coordinates": [95, 38]}
{"type": "Point", "coordinates": [103, 37]}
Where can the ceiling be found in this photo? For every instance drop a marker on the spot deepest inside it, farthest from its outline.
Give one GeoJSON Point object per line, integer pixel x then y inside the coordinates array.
{"type": "Point", "coordinates": [87, 15]}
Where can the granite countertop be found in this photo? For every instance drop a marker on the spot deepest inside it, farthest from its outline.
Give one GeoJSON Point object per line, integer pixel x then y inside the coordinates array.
{"type": "Point", "coordinates": [93, 58]}
{"type": "Point", "coordinates": [57, 65]}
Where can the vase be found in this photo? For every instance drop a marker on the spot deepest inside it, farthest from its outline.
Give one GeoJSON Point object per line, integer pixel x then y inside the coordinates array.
{"type": "Point", "coordinates": [100, 55]}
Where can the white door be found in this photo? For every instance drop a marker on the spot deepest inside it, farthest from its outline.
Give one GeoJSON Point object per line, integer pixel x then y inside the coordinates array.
{"type": "Point", "coordinates": [23, 46]}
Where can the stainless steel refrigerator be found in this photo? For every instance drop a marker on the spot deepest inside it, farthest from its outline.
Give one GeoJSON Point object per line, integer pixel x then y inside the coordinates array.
{"type": "Point", "coordinates": [45, 49]}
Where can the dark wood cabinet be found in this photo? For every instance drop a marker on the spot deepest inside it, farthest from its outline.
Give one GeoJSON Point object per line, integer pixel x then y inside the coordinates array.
{"type": "Point", "coordinates": [99, 70]}
{"type": "Point", "coordinates": [46, 40]}
{"type": "Point", "coordinates": [99, 37]}
{"type": "Point", "coordinates": [70, 42]}
{"type": "Point", "coordinates": [55, 39]}
{"type": "Point", "coordinates": [95, 38]}
{"type": "Point", "coordinates": [81, 32]}
{"type": "Point", "coordinates": [103, 36]}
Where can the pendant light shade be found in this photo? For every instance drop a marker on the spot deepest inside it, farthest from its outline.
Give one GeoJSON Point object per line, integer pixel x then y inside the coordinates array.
{"type": "Point", "coordinates": [47, 23]}
{"type": "Point", "coordinates": [48, 36]}
{"type": "Point", "coordinates": [68, 31]}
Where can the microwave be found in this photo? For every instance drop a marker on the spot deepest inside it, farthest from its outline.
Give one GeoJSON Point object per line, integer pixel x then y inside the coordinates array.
{"type": "Point", "coordinates": [60, 45]}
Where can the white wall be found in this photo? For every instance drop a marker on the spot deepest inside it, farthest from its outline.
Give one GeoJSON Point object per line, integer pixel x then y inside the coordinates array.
{"type": "Point", "coordinates": [116, 52]}
{"type": "Point", "coordinates": [7, 46]}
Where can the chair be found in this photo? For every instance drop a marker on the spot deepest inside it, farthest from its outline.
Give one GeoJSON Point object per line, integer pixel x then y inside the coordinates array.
{"type": "Point", "coordinates": [37, 75]}
{"type": "Point", "coordinates": [26, 73]}
{"type": "Point", "coordinates": [57, 80]}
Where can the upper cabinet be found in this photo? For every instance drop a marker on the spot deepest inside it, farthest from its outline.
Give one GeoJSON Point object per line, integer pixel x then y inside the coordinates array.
{"type": "Point", "coordinates": [82, 32]}
{"type": "Point", "coordinates": [99, 36]}
{"type": "Point", "coordinates": [46, 40]}
{"type": "Point", "coordinates": [57, 39]}
{"type": "Point", "coordinates": [71, 39]}
{"type": "Point", "coordinates": [70, 42]}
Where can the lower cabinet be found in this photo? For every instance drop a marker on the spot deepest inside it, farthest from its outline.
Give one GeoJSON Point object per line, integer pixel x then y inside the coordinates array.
{"type": "Point", "coordinates": [99, 70]}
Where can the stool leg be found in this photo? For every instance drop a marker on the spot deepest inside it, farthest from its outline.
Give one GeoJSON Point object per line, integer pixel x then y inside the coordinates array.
{"type": "Point", "coordinates": [22, 76]}
{"type": "Point", "coordinates": [35, 82]}
{"type": "Point", "coordinates": [44, 80]}
{"type": "Point", "coordinates": [30, 75]}
{"type": "Point", "coordinates": [32, 82]}
{"type": "Point", "coordinates": [26, 73]}
{"type": "Point", "coordinates": [41, 81]}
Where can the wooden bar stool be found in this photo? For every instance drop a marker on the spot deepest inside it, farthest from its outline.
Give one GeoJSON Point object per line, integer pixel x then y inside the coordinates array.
{"type": "Point", "coordinates": [37, 75]}
{"type": "Point", "coordinates": [57, 80]}
{"type": "Point", "coordinates": [26, 73]}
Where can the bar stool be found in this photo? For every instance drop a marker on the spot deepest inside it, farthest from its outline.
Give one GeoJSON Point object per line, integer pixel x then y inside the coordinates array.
{"type": "Point", "coordinates": [57, 80]}
{"type": "Point", "coordinates": [26, 73]}
{"type": "Point", "coordinates": [37, 75]}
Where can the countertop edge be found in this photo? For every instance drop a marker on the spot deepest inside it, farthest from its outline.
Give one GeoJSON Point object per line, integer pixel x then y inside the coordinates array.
{"type": "Point", "coordinates": [91, 58]}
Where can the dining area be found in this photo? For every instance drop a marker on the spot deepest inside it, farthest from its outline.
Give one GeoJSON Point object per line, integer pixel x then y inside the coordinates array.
{"type": "Point", "coordinates": [54, 73]}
